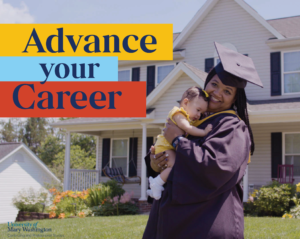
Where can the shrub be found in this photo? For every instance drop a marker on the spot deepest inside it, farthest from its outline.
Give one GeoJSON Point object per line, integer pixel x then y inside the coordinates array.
{"type": "Point", "coordinates": [97, 194]}
{"type": "Point", "coordinates": [116, 188]}
{"type": "Point", "coordinates": [116, 206]}
{"type": "Point", "coordinates": [69, 203]}
{"type": "Point", "coordinates": [295, 212]}
{"type": "Point", "coordinates": [273, 199]}
{"type": "Point", "coordinates": [29, 200]}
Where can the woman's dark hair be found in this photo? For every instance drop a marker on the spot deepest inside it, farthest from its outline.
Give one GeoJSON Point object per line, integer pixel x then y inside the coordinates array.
{"type": "Point", "coordinates": [192, 93]}
{"type": "Point", "coordinates": [240, 104]}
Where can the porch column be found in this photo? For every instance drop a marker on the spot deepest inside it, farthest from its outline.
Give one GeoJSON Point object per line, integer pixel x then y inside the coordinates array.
{"type": "Point", "coordinates": [143, 173]}
{"type": "Point", "coordinates": [67, 161]}
{"type": "Point", "coordinates": [97, 159]}
{"type": "Point", "coordinates": [245, 186]}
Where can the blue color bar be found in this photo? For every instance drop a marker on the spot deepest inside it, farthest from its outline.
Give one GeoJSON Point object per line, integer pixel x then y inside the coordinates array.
{"type": "Point", "coordinates": [63, 69]}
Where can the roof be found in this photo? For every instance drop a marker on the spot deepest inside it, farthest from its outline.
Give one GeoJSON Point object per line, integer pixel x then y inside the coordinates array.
{"type": "Point", "coordinates": [274, 106]}
{"type": "Point", "coordinates": [204, 11]}
{"type": "Point", "coordinates": [6, 148]}
{"type": "Point", "coordinates": [201, 74]}
{"type": "Point", "coordinates": [86, 120]}
{"type": "Point", "coordinates": [288, 26]}
{"type": "Point", "coordinates": [175, 35]}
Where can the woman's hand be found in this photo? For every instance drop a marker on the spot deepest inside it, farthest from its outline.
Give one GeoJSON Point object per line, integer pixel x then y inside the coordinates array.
{"type": "Point", "coordinates": [171, 131]}
{"type": "Point", "coordinates": [158, 161]}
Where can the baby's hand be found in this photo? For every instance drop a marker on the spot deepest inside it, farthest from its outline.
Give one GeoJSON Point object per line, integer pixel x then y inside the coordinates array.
{"type": "Point", "coordinates": [208, 128]}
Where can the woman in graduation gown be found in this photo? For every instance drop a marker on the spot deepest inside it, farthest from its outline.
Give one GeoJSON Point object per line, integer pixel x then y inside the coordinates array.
{"type": "Point", "coordinates": [203, 197]}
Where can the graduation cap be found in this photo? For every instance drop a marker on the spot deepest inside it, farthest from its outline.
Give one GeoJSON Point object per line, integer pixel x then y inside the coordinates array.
{"type": "Point", "coordinates": [235, 69]}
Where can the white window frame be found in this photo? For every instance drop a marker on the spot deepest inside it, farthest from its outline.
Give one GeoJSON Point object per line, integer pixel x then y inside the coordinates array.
{"type": "Point", "coordinates": [215, 60]}
{"type": "Point", "coordinates": [283, 148]}
{"type": "Point", "coordinates": [282, 73]}
{"type": "Point", "coordinates": [156, 70]}
{"type": "Point", "coordinates": [130, 73]}
{"type": "Point", "coordinates": [110, 155]}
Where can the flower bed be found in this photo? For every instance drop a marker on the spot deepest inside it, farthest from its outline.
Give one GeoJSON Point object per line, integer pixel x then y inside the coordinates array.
{"type": "Point", "coordinates": [69, 204]}
{"type": "Point", "coordinates": [103, 199]}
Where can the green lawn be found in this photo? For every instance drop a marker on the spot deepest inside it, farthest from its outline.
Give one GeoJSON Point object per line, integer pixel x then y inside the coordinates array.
{"type": "Point", "coordinates": [133, 226]}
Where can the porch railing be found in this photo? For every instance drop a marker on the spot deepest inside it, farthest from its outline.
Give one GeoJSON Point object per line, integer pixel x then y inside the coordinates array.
{"type": "Point", "coordinates": [82, 179]}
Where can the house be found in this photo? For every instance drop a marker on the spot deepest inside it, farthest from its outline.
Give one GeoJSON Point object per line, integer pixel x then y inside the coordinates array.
{"type": "Point", "coordinates": [274, 46]}
{"type": "Point", "coordinates": [20, 169]}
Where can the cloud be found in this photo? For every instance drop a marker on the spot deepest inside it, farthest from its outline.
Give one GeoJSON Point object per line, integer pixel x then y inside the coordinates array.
{"type": "Point", "coordinates": [10, 14]}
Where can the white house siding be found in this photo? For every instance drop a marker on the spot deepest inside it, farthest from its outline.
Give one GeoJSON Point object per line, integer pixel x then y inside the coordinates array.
{"type": "Point", "coordinates": [15, 176]}
{"type": "Point", "coordinates": [227, 22]}
{"type": "Point", "coordinates": [260, 167]}
{"type": "Point", "coordinates": [171, 96]}
{"type": "Point", "coordinates": [136, 188]}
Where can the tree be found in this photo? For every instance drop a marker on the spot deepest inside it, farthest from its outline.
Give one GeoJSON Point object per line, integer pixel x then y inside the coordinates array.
{"type": "Point", "coordinates": [50, 148]}
{"type": "Point", "coordinates": [86, 142]}
{"type": "Point", "coordinates": [8, 132]}
{"type": "Point", "coordinates": [35, 132]}
{"type": "Point", "coordinates": [79, 159]}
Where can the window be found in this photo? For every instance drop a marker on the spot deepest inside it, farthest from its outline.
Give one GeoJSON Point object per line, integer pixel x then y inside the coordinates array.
{"type": "Point", "coordinates": [292, 151]}
{"type": "Point", "coordinates": [120, 154]}
{"type": "Point", "coordinates": [124, 75]}
{"type": "Point", "coordinates": [216, 60]}
{"type": "Point", "coordinates": [162, 72]}
{"type": "Point", "coordinates": [291, 72]}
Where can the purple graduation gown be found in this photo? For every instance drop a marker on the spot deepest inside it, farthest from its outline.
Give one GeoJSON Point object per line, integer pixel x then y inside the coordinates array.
{"type": "Point", "coordinates": [203, 197]}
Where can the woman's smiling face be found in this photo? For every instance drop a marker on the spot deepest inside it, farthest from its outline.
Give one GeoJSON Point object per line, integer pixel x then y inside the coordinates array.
{"type": "Point", "coordinates": [221, 96]}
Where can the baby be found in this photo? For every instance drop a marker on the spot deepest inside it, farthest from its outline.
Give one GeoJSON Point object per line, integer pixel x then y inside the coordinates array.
{"type": "Point", "coordinates": [193, 103]}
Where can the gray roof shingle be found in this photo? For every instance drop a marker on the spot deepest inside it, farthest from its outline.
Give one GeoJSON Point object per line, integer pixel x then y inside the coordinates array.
{"type": "Point", "coordinates": [288, 26]}
{"type": "Point", "coordinates": [6, 148]}
{"type": "Point", "coordinates": [274, 106]}
{"type": "Point", "coordinates": [201, 74]}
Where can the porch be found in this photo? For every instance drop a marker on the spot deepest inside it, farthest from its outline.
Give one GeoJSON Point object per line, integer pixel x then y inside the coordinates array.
{"type": "Point", "coordinates": [118, 145]}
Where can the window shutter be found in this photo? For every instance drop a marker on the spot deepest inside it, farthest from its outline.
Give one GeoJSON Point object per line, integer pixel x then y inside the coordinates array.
{"type": "Point", "coordinates": [150, 79]}
{"type": "Point", "coordinates": [276, 152]}
{"type": "Point", "coordinates": [149, 144]}
{"type": "Point", "coordinates": [136, 74]}
{"type": "Point", "coordinates": [275, 74]}
{"type": "Point", "coordinates": [105, 153]}
{"type": "Point", "coordinates": [133, 147]}
{"type": "Point", "coordinates": [209, 64]}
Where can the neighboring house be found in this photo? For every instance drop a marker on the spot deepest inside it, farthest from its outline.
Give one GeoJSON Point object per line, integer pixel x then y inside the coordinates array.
{"type": "Point", "coordinates": [20, 169]}
{"type": "Point", "coordinates": [274, 46]}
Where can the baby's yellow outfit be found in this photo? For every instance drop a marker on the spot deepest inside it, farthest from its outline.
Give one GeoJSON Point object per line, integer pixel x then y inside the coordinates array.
{"type": "Point", "coordinates": [162, 144]}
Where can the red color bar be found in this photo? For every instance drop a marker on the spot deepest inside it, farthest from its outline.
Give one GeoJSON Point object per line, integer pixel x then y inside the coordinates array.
{"type": "Point", "coordinates": [59, 99]}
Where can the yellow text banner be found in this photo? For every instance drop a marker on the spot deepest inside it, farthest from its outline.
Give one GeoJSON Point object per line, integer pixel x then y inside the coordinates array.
{"type": "Point", "coordinates": [126, 41]}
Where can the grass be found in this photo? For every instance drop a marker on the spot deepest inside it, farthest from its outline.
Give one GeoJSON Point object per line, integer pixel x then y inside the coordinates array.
{"type": "Point", "coordinates": [132, 227]}
{"type": "Point", "coordinates": [270, 227]}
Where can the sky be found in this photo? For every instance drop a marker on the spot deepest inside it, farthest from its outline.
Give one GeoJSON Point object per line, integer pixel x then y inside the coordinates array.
{"type": "Point", "coordinates": [177, 12]}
